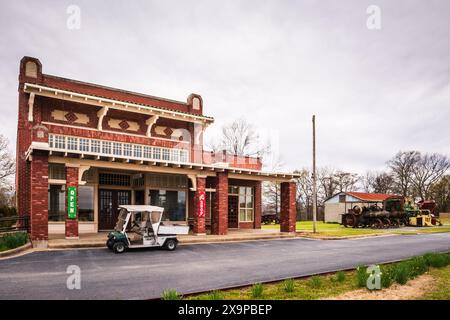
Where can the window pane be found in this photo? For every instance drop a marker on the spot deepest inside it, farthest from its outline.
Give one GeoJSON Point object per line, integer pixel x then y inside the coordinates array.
{"type": "Point", "coordinates": [249, 202]}
{"type": "Point", "coordinates": [86, 203]}
{"type": "Point", "coordinates": [173, 202]}
{"type": "Point", "coordinates": [249, 190]}
{"type": "Point", "coordinates": [157, 153]}
{"type": "Point", "coordinates": [165, 154]}
{"type": "Point", "coordinates": [242, 190]}
{"type": "Point", "coordinates": [56, 203]}
{"type": "Point", "coordinates": [233, 190]}
{"type": "Point", "coordinates": [241, 202]}
{"type": "Point", "coordinates": [242, 215]}
{"type": "Point", "coordinates": [117, 149]}
{"type": "Point", "coordinates": [249, 216]}
{"type": "Point", "coordinates": [137, 151]}
{"type": "Point", "coordinates": [95, 146]}
{"type": "Point", "coordinates": [57, 171]}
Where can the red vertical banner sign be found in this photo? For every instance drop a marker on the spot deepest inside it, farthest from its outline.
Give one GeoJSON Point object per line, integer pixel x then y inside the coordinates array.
{"type": "Point", "coordinates": [201, 204]}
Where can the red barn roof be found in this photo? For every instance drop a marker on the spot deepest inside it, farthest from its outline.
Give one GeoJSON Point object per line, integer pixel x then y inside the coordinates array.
{"type": "Point", "coordinates": [370, 196]}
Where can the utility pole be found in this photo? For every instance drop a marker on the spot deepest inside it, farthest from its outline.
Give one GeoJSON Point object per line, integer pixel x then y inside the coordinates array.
{"type": "Point", "coordinates": [314, 175]}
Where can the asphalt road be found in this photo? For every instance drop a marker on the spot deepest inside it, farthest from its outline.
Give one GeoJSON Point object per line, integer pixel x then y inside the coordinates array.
{"type": "Point", "coordinates": [145, 273]}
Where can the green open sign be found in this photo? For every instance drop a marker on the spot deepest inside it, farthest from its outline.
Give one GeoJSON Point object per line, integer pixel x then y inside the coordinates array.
{"type": "Point", "coordinates": [72, 202]}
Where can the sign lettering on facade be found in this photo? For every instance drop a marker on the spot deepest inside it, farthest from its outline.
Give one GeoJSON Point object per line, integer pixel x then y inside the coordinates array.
{"type": "Point", "coordinates": [201, 204]}
{"type": "Point", "coordinates": [72, 202]}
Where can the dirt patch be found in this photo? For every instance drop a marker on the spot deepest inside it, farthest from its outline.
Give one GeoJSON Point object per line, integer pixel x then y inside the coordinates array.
{"type": "Point", "coordinates": [411, 290]}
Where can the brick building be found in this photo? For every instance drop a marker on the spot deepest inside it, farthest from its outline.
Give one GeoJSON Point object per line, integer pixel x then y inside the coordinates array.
{"type": "Point", "coordinates": [118, 147]}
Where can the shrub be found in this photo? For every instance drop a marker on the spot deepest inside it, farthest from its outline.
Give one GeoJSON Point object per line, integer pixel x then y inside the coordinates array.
{"type": "Point", "coordinates": [361, 276]}
{"type": "Point", "coordinates": [387, 277]}
{"type": "Point", "coordinates": [13, 240]}
{"type": "Point", "coordinates": [257, 290]}
{"type": "Point", "coordinates": [315, 282]}
{"type": "Point", "coordinates": [289, 285]}
{"type": "Point", "coordinates": [215, 295]}
{"type": "Point", "coordinates": [402, 272]}
{"type": "Point", "coordinates": [437, 260]}
{"type": "Point", "coordinates": [170, 294]}
{"type": "Point", "coordinates": [340, 276]}
{"type": "Point", "coordinates": [418, 266]}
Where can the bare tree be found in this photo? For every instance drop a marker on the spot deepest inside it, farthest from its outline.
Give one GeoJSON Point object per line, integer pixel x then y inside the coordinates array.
{"type": "Point", "coordinates": [345, 181]}
{"type": "Point", "coordinates": [327, 183]}
{"type": "Point", "coordinates": [402, 166]}
{"type": "Point", "coordinates": [271, 192]}
{"type": "Point", "coordinates": [304, 189]}
{"type": "Point", "coordinates": [367, 181]}
{"type": "Point", "coordinates": [7, 162]}
{"type": "Point", "coordinates": [427, 171]}
{"type": "Point", "coordinates": [240, 137]}
{"type": "Point", "coordinates": [440, 192]}
{"type": "Point", "coordinates": [378, 182]}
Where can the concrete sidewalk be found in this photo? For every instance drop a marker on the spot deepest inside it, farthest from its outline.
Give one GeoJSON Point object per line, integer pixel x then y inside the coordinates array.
{"type": "Point", "coordinates": [93, 240]}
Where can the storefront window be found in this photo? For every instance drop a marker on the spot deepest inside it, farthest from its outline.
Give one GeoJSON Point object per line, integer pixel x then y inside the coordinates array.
{"type": "Point", "coordinates": [245, 204]}
{"type": "Point", "coordinates": [56, 203]}
{"type": "Point", "coordinates": [86, 203]}
{"type": "Point", "coordinates": [173, 202]}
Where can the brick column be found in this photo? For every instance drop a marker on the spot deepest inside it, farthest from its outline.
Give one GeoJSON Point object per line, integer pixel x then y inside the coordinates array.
{"type": "Point", "coordinates": [39, 198]}
{"type": "Point", "coordinates": [288, 214]}
{"type": "Point", "coordinates": [219, 213]}
{"type": "Point", "coordinates": [199, 222]}
{"type": "Point", "coordinates": [71, 181]}
{"type": "Point", "coordinates": [258, 199]}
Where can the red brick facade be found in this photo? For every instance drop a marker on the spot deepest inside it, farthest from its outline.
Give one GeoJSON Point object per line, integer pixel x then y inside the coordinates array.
{"type": "Point", "coordinates": [71, 181]}
{"type": "Point", "coordinates": [57, 115]}
{"type": "Point", "coordinates": [39, 197]}
{"type": "Point", "coordinates": [219, 214]}
{"type": "Point", "coordinates": [199, 221]}
{"type": "Point", "coordinates": [288, 207]}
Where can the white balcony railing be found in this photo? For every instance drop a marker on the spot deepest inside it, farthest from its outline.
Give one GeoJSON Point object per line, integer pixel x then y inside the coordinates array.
{"type": "Point", "coordinates": [113, 149]}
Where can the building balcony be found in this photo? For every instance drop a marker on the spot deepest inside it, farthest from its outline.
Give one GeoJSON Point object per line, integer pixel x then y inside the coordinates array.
{"type": "Point", "coordinates": [113, 149]}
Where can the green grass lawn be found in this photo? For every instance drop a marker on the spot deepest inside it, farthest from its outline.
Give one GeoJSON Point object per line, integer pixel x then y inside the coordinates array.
{"type": "Point", "coordinates": [337, 230]}
{"type": "Point", "coordinates": [302, 289]}
{"type": "Point", "coordinates": [441, 290]}
{"type": "Point", "coordinates": [327, 229]}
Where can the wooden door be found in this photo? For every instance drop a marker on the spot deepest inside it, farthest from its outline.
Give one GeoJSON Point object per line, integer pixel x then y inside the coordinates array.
{"type": "Point", "coordinates": [233, 221]}
{"type": "Point", "coordinates": [109, 202]}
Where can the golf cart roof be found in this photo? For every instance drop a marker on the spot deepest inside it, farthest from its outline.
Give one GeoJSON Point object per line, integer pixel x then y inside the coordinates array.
{"type": "Point", "coordinates": [142, 208]}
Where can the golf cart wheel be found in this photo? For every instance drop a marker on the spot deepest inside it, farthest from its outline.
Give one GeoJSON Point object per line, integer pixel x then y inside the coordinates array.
{"type": "Point", "coordinates": [119, 247]}
{"type": "Point", "coordinates": [110, 244]}
{"type": "Point", "coordinates": [170, 244]}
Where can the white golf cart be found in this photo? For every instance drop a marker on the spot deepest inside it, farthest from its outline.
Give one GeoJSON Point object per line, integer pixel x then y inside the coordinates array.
{"type": "Point", "coordinates": [140, 226]}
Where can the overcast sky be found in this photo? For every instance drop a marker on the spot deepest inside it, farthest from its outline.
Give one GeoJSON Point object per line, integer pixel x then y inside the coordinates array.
{"type": "Point", "coordinates": [275, 63]}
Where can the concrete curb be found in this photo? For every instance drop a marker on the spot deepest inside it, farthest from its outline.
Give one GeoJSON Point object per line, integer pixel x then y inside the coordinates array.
{"type": "Point", "coordinates": [13, 252]}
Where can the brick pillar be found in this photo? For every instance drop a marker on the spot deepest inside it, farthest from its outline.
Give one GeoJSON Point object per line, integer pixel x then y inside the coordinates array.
{"type": "Point", "coordinates": [39, 198]}
{"type": "Point", "coordinates": [219, 213]}
{"type": "Point", "coordinates": [288, 214]}
{"type": "Point", "coordinates": [71, 181]}
{"type": "Point", "coordinates": [258, 199]}
{"type": "Point", "coordinates": [199, 222]}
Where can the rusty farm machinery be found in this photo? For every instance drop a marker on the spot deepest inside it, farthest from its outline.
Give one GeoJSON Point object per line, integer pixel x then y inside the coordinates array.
{"type": "Point", "coordinates": [393, 213]}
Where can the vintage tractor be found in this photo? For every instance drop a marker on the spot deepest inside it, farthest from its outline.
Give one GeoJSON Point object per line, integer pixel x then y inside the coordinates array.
{"type": "Point", "coordinates": [423, 214]}
{"type": "Point", "coordinates": [373, 216]}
